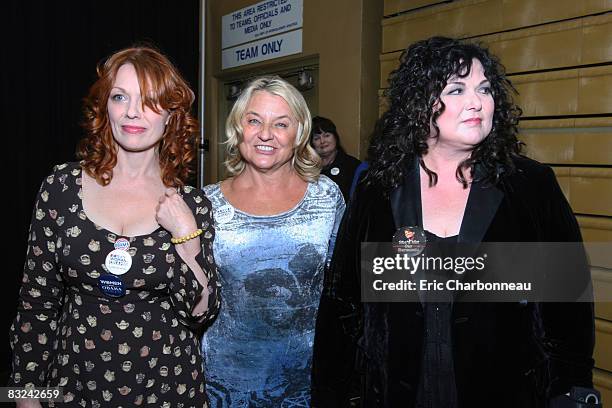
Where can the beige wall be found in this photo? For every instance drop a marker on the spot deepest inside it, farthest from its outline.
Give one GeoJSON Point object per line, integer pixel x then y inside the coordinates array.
{"type": "Point", "coordinates": [344, 36]}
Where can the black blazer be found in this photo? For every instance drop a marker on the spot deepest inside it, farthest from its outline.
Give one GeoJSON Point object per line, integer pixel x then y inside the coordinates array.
{"type": "Point", "coordinates": [505, 354]}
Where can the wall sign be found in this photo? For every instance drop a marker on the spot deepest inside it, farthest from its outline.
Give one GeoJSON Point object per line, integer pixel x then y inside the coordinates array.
{"type": "Point", "coordinates": [254, 33]}
{"type": "Point", "coordinates": [268, 48]}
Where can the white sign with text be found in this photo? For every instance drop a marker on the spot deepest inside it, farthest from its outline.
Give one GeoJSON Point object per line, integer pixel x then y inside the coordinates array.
{"type": "Point", "coordinates": [268, 48]}
{"type": "Point", "coordinates": [262, 19]}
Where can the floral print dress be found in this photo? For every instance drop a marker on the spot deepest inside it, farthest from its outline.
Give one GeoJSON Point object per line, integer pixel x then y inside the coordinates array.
{"type": "Point", "coordinates": [141, 348]}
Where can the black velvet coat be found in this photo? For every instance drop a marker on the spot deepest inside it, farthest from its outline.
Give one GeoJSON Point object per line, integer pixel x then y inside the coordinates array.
{"type": "Point", "coordinates": [505, 354]}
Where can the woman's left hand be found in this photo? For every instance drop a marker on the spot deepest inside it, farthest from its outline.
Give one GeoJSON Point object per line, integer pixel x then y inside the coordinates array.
{"type": "Point", "coordinates": [173, 214]}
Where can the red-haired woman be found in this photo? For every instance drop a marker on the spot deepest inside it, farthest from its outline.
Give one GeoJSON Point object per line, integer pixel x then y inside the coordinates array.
{"type": "Point", "coordinates": [120, 278]}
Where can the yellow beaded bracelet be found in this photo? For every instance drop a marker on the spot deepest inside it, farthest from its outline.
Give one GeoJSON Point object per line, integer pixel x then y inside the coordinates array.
{"type": "Point", "coordinates": [186, 237]}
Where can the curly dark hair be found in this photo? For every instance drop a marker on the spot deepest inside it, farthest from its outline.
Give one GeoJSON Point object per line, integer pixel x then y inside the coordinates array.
{"type": "Point", "coordinates": [414, 102]}
{"type": "Point", "coordinates": [161, 86]}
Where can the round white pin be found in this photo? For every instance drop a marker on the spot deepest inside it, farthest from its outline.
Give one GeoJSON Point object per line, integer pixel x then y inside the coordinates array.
{"type": "Point", "coordinates": [223, 214]}
{"type": "Point", "coordinates": [118, 261]}
{"type": "Point", "coordinates": [335, 171]}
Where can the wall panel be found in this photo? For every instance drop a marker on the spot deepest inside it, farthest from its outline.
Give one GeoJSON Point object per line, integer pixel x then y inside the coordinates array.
{"type": "Point", "coordinates": [399, 6]}
{"type": "Point", "coordinates": [591, 190]}
{"type": "Point", "coordinates": [568, 141]}
{"type": "Point", "coordinates": [602, 380]}
{"type": "Point", "coordinates": [594, 94]}
{"type": "Point", "coordinates": [537, 48]}
{"type": "Point", "coordinates": [602, 288]}
{"type": "Point", "coordinates": [595, 229]}
{"type": "Point", "coordinates": [471, 18]}
{"type": "Point", "coordinates": [603, 344]}
{"type": "Point", "coordinates": [519, 13]}
{"type": "Point", "coordinates": [597, 44]}
{"type": "Point", "coordinates": [563, 178]}
{"type": "Point", "coordinates": [455, 19]}
{"type": "Point", "coordinates": [569, 92]}
{"type": "Point", "coordinates": [598, 230]}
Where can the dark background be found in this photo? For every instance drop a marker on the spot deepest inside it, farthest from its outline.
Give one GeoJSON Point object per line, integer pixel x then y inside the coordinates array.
{"type": "Point", "coordinates": [49, 54]}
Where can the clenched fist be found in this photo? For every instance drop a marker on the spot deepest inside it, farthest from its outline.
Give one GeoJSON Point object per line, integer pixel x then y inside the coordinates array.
{"type": "Point", "coordinates": [173, 214]}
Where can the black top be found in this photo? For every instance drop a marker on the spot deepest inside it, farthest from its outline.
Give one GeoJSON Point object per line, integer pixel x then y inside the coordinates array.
{"type": "Point", "coordinates": [341, 171]}
{"type": "Point", "coordinates": [437, 388]}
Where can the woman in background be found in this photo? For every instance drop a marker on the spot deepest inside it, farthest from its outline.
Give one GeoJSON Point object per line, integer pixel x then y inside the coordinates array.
{"type": "Point", "coordinates": [337, 165]}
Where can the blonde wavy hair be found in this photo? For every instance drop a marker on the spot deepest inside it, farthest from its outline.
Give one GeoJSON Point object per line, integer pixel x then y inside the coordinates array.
{"type": "Point", "coordinates": [305, 161]}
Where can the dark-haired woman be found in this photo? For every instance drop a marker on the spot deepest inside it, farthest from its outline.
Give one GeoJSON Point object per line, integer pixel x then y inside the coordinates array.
{"type": "Point", "coordinates": [120, 278]}
{"type": "Point", "coordinates": [337, 164]}
{"type": "Point", "coordinates": [445, 159]}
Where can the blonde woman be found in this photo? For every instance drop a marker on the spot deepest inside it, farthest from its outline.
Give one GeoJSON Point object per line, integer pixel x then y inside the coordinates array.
{"type": "Point", "coordinates": [276, 220]}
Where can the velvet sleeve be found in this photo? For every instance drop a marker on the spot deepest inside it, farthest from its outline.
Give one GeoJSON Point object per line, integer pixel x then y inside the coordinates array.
{"type": "Point", "coordinates": [334, 376]}
{"type": "Point", "coordinates": [567, 328]}
{"type": "Point", "coordinates": [340, 208]}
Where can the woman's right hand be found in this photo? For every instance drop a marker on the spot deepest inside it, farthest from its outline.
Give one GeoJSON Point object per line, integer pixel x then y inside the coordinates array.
{"type": "Point", "coordinates": [28, 403]}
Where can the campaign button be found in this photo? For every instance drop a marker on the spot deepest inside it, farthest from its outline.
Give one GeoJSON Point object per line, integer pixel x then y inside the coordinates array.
{"type": "Point", "coordinates": [409, 240]}
{"type": "Point", "coordinates": [118, 262]}
{"type": "Point", "coordinates": [111, 285]}
{"type": "Point", "coordinates": [122, 244]}
{"type": "Point", "coordinates": [224, 214]}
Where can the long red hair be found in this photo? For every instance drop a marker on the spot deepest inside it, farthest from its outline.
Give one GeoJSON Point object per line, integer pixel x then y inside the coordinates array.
{"type": "Point", "coordinates": [161, 85]}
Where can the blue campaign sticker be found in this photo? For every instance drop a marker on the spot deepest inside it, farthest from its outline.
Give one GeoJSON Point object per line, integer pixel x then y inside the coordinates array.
{"type": "Point", "coordinates": [111, 285]}
{"type": "Point", "coordinates": [122, 244]}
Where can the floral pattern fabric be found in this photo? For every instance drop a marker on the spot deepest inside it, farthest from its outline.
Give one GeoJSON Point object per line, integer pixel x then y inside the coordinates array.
{"type": "Point", "coordinates": [137, 349]}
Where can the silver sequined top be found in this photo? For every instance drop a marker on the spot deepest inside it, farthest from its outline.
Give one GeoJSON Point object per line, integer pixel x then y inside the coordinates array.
{"type": "Point", "coordinates": [259, 351]}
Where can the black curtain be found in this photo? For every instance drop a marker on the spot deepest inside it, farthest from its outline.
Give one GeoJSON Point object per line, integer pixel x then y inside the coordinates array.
{"type": "Point", "coordinates": [50, 50]}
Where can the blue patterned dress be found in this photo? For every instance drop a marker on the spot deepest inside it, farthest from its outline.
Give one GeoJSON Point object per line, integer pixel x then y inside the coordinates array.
{"type": "Point", "coordinates": [259, 351]}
